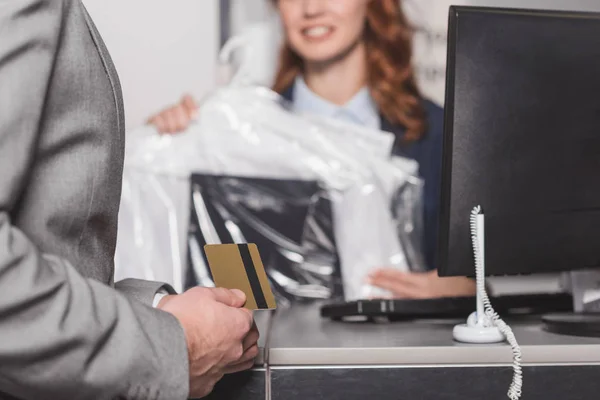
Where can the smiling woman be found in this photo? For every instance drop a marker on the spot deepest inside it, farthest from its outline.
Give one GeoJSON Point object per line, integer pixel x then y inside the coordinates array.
{"type": "Point", "coordinates": [352, 60]}
{"type": "Point", "coordinates": [325, 30]}
{"type": "Point", "coordinates": [372, 38]}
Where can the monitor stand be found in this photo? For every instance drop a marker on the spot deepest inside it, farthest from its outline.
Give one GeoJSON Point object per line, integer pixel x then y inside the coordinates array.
{"type": "Point", "coordinates": [585, 321]}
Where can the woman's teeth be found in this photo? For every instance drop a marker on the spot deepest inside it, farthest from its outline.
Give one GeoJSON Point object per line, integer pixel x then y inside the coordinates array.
{"type": "Point", "coordinates": [317, 31]}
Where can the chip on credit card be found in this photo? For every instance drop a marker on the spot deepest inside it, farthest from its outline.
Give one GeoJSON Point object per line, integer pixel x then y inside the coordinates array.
{"type": "Point", "coordinates": [239, 266]}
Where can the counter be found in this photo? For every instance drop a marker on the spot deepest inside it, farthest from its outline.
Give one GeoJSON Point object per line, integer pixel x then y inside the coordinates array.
{"type": "Point", "coordinates": [306, 357]}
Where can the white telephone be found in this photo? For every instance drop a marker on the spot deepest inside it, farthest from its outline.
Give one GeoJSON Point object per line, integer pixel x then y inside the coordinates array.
{"type": "Point", "coordinates": [485, 325]}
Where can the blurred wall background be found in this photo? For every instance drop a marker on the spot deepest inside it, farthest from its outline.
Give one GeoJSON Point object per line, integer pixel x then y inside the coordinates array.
{"type": "Point", "coordinates": [429, 16]}
{"type": "Point", "coordinates": [163, 49]}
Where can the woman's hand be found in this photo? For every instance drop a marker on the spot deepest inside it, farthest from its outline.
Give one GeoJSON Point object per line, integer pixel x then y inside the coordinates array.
{"type": "Point", "coordinates": [177, 118]}
{"type": "Point", "coordinates": [421, 285]}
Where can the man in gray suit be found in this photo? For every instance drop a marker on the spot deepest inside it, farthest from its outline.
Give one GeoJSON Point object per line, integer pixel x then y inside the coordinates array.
{"type": "Point", "coordinates": [66, 331]}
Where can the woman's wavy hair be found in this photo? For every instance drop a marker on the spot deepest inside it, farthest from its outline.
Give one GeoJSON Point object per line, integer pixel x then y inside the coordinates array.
{"type": "Point", "coordinates": [391, 77]}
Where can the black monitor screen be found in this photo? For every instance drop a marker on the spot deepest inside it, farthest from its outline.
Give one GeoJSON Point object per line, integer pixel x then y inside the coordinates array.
{"type": "Point", "coordinates": [522, 139]}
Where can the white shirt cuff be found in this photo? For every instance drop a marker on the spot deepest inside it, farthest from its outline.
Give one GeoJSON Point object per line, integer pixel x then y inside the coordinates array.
{"type": "Point", "coordinates": [158, 297]}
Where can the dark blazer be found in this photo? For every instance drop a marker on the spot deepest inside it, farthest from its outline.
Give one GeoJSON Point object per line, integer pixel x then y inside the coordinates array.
{"type": "Point", "coordinates": [428, 153]}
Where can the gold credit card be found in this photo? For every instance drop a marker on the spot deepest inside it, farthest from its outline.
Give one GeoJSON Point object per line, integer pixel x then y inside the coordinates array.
{"type": "Point", "coordinates": [239, 266]}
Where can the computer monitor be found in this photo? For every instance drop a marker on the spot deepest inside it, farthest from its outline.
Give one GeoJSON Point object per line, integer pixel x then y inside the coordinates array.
{"type": "Point", "coordinates": [522, 139]}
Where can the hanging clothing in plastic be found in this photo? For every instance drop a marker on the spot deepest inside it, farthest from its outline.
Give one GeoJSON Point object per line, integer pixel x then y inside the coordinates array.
{"type": "Point", "coordinates": [323, 200]}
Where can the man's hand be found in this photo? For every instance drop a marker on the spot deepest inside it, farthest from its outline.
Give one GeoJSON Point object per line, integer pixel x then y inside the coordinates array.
{"type": "Point", "coordinates": [424, 285]}
{"type": "Point", "coordinates": [221, 336]}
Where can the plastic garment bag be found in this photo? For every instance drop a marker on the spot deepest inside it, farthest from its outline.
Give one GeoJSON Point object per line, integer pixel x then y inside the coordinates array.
{"type": "Point", "coordinates": [322, 198]}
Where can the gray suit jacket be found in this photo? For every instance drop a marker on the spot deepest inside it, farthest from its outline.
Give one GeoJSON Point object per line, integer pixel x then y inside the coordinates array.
{"type": "Point", "coordinates": [65, 332]}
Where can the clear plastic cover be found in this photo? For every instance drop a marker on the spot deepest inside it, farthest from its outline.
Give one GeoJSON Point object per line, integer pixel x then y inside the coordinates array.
{"type": "Point", "coordinates": [323, 199]}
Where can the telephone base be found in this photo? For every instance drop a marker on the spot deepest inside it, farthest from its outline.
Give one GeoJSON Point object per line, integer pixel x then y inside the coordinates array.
{"type": "Point", "coordinates": [477, 334]}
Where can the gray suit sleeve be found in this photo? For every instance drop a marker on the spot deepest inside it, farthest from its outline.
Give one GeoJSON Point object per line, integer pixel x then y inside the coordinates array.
{"type": "Point", "coordinates": [63, 336]}
{"type": "Point", "coordinates": [142, 291]}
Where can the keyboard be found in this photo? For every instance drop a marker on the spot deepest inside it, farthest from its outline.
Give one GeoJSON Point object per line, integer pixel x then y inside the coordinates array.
{"type": "Point", "coordinates": [449, 307]}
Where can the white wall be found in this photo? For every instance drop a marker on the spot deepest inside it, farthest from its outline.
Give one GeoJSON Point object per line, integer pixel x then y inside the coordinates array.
{"type": "Point", "coordinates": [161, 48]}
{"type": "Point", "coordinates": [244, 12]}
{"type": "Point", "coordinates": [164, 48]}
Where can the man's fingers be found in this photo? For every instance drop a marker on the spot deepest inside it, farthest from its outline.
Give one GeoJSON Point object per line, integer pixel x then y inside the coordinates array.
{"type": "Point", "coordinates": [233, 298]}
{"type": "Point", "coordinates": [249, 355]}
{"type": "Point", "coordinates": [248, 318]}
{"type": "Point", "coordinates": [252, 338]}
{"type": "Point", "coordinates": [246, 361]}
{"type": "Point", "coordinates": [239, 367]}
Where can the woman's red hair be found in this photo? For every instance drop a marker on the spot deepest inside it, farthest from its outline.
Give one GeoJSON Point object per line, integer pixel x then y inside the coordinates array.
{"type": "Point", "coordinates": [391, 78]}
